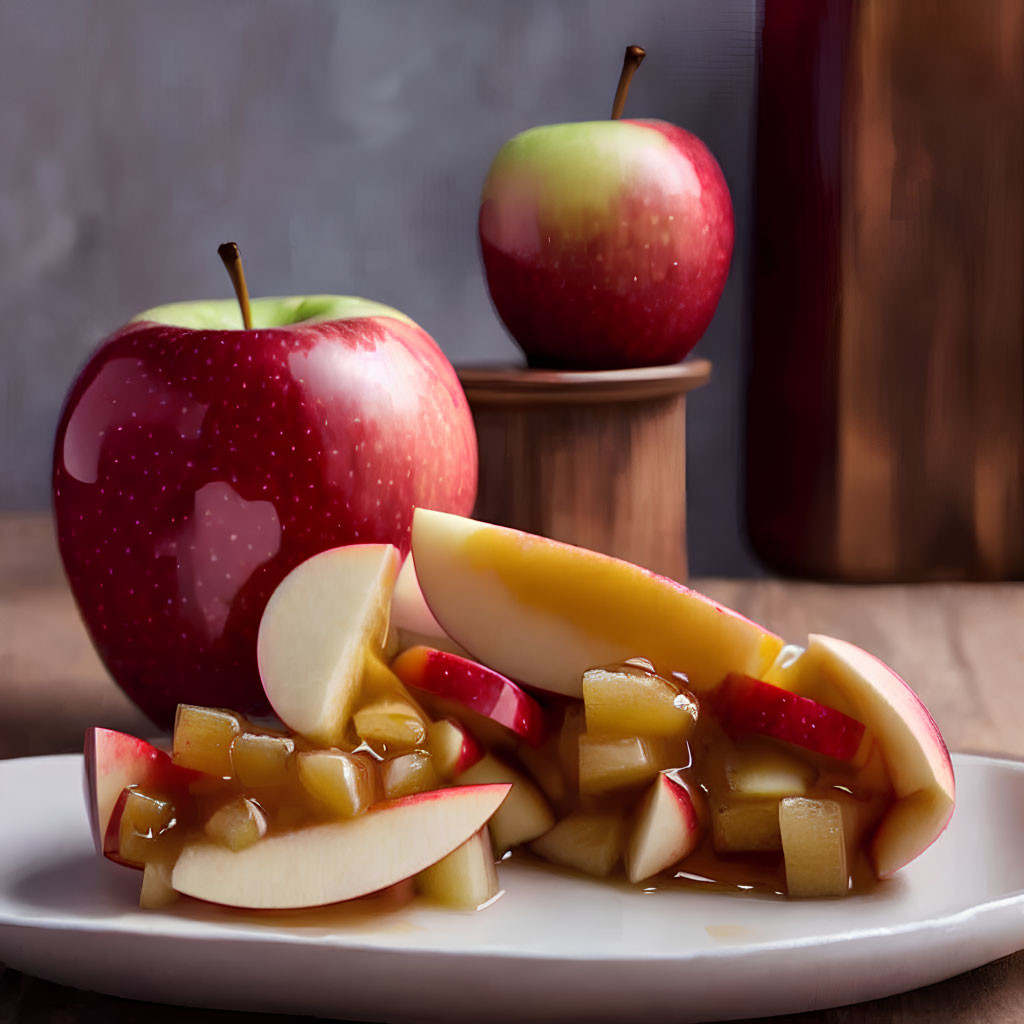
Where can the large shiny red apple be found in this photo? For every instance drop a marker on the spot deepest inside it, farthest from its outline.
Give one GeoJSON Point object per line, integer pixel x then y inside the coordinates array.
{"type": "Point", "coordinates": [197, 463]}
{"type": "Point", "coordinates": [606, 244]}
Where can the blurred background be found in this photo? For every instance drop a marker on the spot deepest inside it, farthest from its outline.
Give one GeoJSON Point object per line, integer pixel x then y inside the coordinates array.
{"type": "Point", "coordinates": [343, 145]}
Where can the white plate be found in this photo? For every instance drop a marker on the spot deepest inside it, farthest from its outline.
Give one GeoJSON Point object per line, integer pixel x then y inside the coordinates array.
{"type": "Point", "coordinates": [553, 947]}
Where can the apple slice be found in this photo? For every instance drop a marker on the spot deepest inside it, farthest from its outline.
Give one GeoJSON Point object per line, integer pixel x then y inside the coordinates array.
{"type": "Point", "coordinates": [667, 828]}
{"type": "Point", "coordinates": [912, 747]}
{"type": "Point", "coordinates": [543, 612]}
{"type": "Point", "coordinates": [525, 815]}
{"type": "Point", "coordinates": [114, 760]}
{"type": "Point", "coordinates": [341, 860]}
{"type": "Point", "coordinates": [466, 879]}
{"type": "Point", "coordinates": [748, 706]}
{"type": "Point", "coordinates": [473, 688]}
{"type": "Point", "coordinates": [587, 842]}
{"type": "Point", "coordinates": [322, 622]}
{"type": "Point", "coordinates": [412, 622]}
{"type": "Point", "coordinates": [452, 747]}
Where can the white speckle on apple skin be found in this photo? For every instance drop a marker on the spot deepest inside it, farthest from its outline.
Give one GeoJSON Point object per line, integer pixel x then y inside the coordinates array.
{"type": "Point", "coordinates": [159, 436]}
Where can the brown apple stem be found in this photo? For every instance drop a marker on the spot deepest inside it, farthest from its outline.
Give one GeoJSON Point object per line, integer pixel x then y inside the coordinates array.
{"type": "Point", "coordinates": [232, 259]}
{"type": "Point", "coordinates": [633, 59]}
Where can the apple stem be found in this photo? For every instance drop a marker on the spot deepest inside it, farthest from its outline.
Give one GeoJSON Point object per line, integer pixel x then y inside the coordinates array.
{"type": "Point", "coordinates": [232, 259]}
{"type": "Point", "coordinates": [633, 59]}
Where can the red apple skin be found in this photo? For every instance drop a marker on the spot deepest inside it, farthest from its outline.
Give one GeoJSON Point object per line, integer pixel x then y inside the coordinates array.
{"type": "Point", "coordinates": [194, 469]}
{"type": "Point", "coordinates": [115, 760]}
{"type": "Point", "coordinates": [750, 706]}
{"type": "Point", "coordinates": [473, 686]}
{"type": "Point", "coordinates": [634, 295]}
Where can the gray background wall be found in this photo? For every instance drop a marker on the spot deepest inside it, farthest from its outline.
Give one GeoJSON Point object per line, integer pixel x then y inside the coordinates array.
{"type": "Point", "coordinates": [342, 143]}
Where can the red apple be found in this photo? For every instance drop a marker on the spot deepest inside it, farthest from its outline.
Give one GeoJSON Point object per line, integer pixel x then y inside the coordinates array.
{"type": "Point", "coordinates": [471, 687]}
{"type": "Point", "coordinates": [606, 244]}
{"type": "Point", "coordinates": [197, 463]}
{"type": "Point", "coordinates": [749, 706]}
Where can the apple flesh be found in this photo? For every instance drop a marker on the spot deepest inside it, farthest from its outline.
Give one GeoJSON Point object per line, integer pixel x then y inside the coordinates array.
{"type": "Point", "coordinates": [523, 816]}
{"type": "Point", "coordinates": [474, 687]}
{"type": "Point", "coordinates": [113, 761]}
{"type": "Point", "coordinates": [196, 464]}
{"type": "Point", "coordinates": [667, 829]}
{"type": "Point", "coordinates": [606, 244]}
{"type": "Point", "coordinates": [915, 754]}
{"type": "Point", "coordinates": [323, 621]}
{"type": "Point", "coordinates": [466, 879]}
{"type": "Point", "coordinates": [342, 860]}
{"type": "Point", "coordinates": [543, 612]}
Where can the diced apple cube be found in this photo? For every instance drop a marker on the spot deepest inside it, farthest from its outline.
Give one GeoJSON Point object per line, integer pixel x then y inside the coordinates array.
{"type": "Point", "coordinates": [466, 879]}
{"type": "Point", "coordinates": [258, 760]}
{"type": "Point", "coordinates": [390, 724]}
{"type": "Point", "coordinates": [156, 885]}
{"type": "Point", "coordinates": [587, 842]}
{"type": "Point", "coordinates": [203, 738]}
{"type": "Point", "coordinates": [762, 770]}
{"type": "Point", "coordinates": [452, 747]}
{"type": "Point", "coordinates": [523, 815]}
{"type": "Point", "coordinates": [747, 826]}
{"type": "Point", "coordinates": [614, 762]}
{"type": "Point", "coordinates": [237, 824]}
{"type": "Point", "coordinates": [409, 773]}
{"type": "Point", "coordinates": [633, 701]}
{"type": "Point", "coordinates": [144, 819]}
{"type": "Point", "coordinates": [344, 783]}
{"type": "Point", "coordinates": [814, 847]}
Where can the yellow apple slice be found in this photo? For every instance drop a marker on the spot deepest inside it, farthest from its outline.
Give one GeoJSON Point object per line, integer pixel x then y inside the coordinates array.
{"type": "Point", "coordinates": [327, 616]}
{"type": "Point", "coordinates": [543, 612]}
{"type": "Point", "coordinates": [911, 744]}
{"type": "Point", "coordinates": [341, 860]}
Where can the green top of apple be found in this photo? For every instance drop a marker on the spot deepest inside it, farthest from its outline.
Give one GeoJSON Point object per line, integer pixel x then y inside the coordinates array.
{"type": "Point", "coordinates": [224, 314]}
{"type": "Point", "coordinates": [580, 166]}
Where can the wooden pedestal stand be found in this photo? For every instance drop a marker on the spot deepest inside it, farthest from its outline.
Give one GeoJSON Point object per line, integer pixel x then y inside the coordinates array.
{"type": "Point", "coordinates": [592, 458]}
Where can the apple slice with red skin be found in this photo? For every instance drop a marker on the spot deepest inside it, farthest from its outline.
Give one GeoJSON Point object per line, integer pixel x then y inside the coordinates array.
{"type": "Point", "coordinates": [912, 746]}
{"type": "Point", "coordinates": [452, 746]}
{"type": "Point", "coordinates": [667, 828]}
{"type": "Point", "coordinates": [472, 687]}
{"type": "Point", "coordinates": [342, 860]}
{"type": "Point", "coordinates": [114, 760]}
{"type": "Point", "coordinates": [746, 706]}
{"type": "Point", "coordinates": [543, 612]}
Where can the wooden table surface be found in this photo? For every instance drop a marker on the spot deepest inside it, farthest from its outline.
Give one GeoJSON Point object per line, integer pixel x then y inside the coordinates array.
{"type": "Point", "coordinates": [961, 645]}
